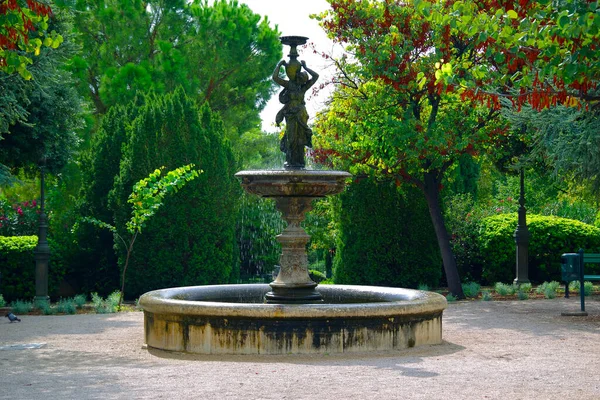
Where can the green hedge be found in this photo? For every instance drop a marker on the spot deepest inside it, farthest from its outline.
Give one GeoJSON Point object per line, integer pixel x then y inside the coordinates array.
{"type": "Point", "coordinates": [549, 238]}
{"type": "Point", "coordinates": [17, 266]}
{"type": "Point", "coordinates": [385, 237]}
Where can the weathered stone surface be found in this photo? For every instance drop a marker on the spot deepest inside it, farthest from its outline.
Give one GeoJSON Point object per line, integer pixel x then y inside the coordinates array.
{"type": "Point", "coordinates": [230, 319]}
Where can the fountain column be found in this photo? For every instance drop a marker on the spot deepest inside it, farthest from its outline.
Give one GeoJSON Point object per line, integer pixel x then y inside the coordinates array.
{"type": "Point", "coordinates": [293, 283]}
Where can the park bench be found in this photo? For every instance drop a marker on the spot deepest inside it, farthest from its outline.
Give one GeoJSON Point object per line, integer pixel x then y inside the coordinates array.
{"type": "Point", "coordinates": [572, 269]}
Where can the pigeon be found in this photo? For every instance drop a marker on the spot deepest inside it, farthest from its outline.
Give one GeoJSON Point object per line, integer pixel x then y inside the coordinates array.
{"type": "Point", "coordinates": [12, 317]}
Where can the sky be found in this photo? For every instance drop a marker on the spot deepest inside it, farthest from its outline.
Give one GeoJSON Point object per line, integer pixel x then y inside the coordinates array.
{"type": "Point", "coordinates": [292, 19]}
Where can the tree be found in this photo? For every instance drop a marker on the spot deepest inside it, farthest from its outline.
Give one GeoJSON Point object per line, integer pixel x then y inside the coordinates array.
{"type": "Point", "coordinates": [39, 117]}
{"type": "Point", "coordinates": [191, 238]}
{"type": "Point", "coordinates": [23, 32]}
{"type": "Point", "coordinates": [220, 53]}
{"type": "Point", "coordinates": [145, 199]}
{"type": "Point", "coordinates": [393, 114]}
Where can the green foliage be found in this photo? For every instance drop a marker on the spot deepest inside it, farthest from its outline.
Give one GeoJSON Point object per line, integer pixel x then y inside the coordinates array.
{"type": "Point", "coordinates": [18, 219]}
{"type": "Point", "coordinates": [471, 289]}
{"type": "Point", "coordinates": [316, 276]}
{"type": "Point", "coordinates": [66, 306]}
{"type": "Point", "coordinates": [385, 237]}
{"type": "Point", "coordinates": [588, 287]}
{"type": "Point", "coordinates": [17, 266]}
{"type": "Point", "coordinates": [548, 289]}
{"type": "Point", "coordinates": [550, 237]}
{"type": "Point", "coordinates": [2, 301]}
{"type": "Point", "coordinates": [24, 30]}
{"type": "Point", "coordinates": [39, 117]}
{"type": "Point", "coordinates": [451, 298]}
{"type": "Point", "coordinates": [423, 287]}
{"type": "Point", "coordinates": [503, 289]}
{"type": "Point", "coordinates": [80, 300]}
{"type": "Point", "coordinates": [45, 307]}
{"type": "Point", "coordinates": [522, 295]}
{"type": "Point", "coordinates": [21, 307]}
{"type": "Point", "coordinates": [190, 239]}
{"type": "Point", "coordinates": [110, 305]}
{"type": "Point", "coordinates": [486, 295]}
{"type": "Point", "coordinates": [525, 287]}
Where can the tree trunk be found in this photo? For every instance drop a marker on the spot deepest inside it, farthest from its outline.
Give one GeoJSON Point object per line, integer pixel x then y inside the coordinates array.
{"type": "Point", "coordinates": [432, 194]}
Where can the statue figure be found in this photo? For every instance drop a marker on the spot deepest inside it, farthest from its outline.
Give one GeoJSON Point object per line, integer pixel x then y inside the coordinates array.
{"type": "Point", "coordinates": [297, 133]}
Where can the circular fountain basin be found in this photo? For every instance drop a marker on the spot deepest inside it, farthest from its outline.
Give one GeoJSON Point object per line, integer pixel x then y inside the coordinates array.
{"type": "Point", "coordinates": [233, 319]}
{"type": "Point", "coordinates": [293, 182]}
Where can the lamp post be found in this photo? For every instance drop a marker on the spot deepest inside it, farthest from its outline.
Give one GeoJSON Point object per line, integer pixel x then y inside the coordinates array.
{"type": "Point", "coordinates": [42, 250]}
{"type": "Point", "coordinates": [522, 237]}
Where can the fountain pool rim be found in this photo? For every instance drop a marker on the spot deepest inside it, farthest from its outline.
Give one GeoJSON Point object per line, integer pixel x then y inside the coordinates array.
{"type": "Point", "coordinates": [219, 300]}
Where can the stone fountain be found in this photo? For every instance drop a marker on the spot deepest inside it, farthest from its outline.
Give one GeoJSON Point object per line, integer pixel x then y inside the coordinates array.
{"type": "Point", "coordinates": [291, 315]}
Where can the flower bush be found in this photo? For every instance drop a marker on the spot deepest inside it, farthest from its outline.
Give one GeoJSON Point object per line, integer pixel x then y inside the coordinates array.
{"type": "Point", "coordinates": [18, 219]}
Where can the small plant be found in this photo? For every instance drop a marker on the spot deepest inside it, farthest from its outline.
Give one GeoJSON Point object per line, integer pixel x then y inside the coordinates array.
{"type": "Point", "coordinates": [522, 295]}
{"type": "Point", "coordinates": [110, 305]}
{"type": "Point", "coordinates": [525, 287]}
{"type": "Point", "coordinates": [66, 306]}
{"type": "Point", "coordinates": [503, 289]}
{"type": "Point", "coordinates": [423, 286]}
{"type": "Point", "coordinates": [549, 293]}
{"type": "Point", "coordinates": [21, 307]}
{"type": "Point", "coordinates": [146, 198]}
{"type": "Point", "coordinates": [316, 276]}
{"type": "Point", "coordinates": [2, 301]}
{"type": "Point", "coordinates": [114, 300]}
{"type": "Point", "coordinates": [451, 298]}
{"type": "Point", "coordinates": [486, 295]}
{"type": "Point", "coordinates": [548, 287]}
{"type": "Point", "coordinates": [80, 300]}
{"type": "Point", "coordinates": [588, 287]}
{"type": "Point", "coordinates": [45, 307]}
{"type": "Point", "coordinates": [471, 289]}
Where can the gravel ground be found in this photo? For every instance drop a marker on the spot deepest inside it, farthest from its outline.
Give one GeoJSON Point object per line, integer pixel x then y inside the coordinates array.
{"type": "Point", "coordinates": [491, 350]}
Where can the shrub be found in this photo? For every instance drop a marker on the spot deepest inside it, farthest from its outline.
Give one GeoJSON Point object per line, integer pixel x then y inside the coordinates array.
{"type": "Point", "coordinates": [451, 298]}
{"type": "Point", "coordinates": [525, 287]}
{"type": "Point", "coordinates": [471, 289]}
{"type": "Point", "coordinates": [18, 219]}
{"type": "Point", "coordinates": [17, 266]}
{"type": "Point", "coordinates": [588, 287]}
{"type": "Point", "coordinates": [66, 306]}
{"type": "Point", "coordinates": [423, 287]}
{"type": "Point", "coordinates": [80, 300]}
{"type": "Point", "coordinates": [503, 289]}
{"type": "Point", "coordinates": [553, 286]}
{"type": "Point", "coordinates": [2, 301]}
{"type": "Point", "coordinates": [522, 295]}
{"type": "Point", "coordinates": [486, 295]}
{"type": "Point", "coordinates": [550, 237]}
{"type": "Point", "coordinates": [316, 276]}
{"type": "Point", "coordinates": [21, 307]}
{"type": "Point", "coordinates": [46, 308]}
{"type": "Point", "coordinates": [191, 238]}
{"type": "Point", "coordinates": [385, 237]}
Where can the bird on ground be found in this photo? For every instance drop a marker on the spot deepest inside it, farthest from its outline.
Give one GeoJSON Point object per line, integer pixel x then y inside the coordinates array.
{"type": "Point", "coordinates": [12, 317]}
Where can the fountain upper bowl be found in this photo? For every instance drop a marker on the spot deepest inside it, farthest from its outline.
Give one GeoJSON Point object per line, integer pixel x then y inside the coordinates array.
{"type": "Point", "coordinates": [293, 183]}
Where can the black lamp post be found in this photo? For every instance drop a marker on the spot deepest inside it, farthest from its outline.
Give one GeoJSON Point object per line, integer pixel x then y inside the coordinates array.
{"type": "Point", "coordinates": [42, 250]}
{"type": "Point", "coordinates": [522, 238]}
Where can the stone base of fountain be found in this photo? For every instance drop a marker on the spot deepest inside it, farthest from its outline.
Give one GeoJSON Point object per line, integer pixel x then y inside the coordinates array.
{"type": "Point", "coordinates": [232, 319]}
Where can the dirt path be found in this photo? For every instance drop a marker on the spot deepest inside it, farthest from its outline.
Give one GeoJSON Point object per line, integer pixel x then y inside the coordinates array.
{"type": "Point", "coordinates": [491, 350]}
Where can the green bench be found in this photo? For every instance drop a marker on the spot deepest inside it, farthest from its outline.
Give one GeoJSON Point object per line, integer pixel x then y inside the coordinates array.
{"type": "Point", "coordinates": [572, 269]}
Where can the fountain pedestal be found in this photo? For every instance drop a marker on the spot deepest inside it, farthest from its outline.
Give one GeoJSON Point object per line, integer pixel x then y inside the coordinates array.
{"type": "Point", "coordinates": [293, 283]}
{"type": "Point", "coordinates": [293, 191]}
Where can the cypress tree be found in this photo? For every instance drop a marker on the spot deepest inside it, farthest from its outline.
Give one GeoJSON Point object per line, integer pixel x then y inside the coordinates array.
{"type": "Point", "coordinates": [385, 237]}
{"type": "Point", "coordinates": [190, 241]}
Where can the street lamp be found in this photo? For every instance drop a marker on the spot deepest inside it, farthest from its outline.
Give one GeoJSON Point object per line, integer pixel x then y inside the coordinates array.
{"type": "Point", "coordinates": [42, 250]}
{"type": "Point", "coordinates": [522, 238]}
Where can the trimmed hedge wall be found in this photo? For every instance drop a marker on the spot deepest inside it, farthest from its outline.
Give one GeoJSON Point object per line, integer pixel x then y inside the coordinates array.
{"type": "Point", "coordinates": [549, 238]}
{"type": "Point", "coordinates": [385, 237]}
{"type": "Point", "coordinates": [17, 266]}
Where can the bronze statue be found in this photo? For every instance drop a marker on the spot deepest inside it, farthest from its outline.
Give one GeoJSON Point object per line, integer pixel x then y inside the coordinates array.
{"type": "Point", "coordinates": [297, 133]}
